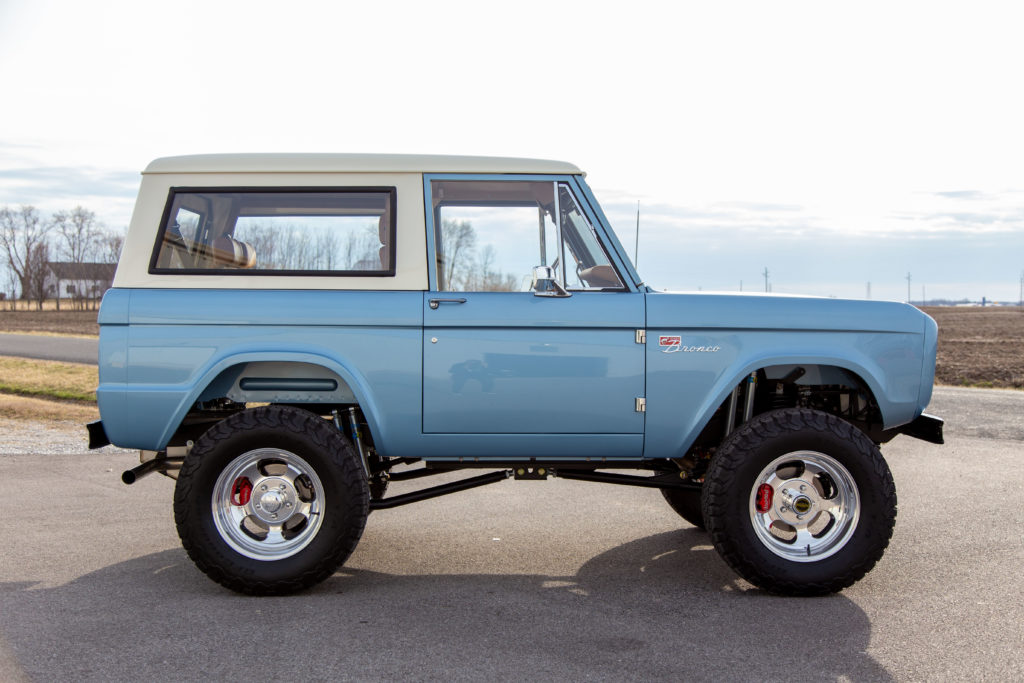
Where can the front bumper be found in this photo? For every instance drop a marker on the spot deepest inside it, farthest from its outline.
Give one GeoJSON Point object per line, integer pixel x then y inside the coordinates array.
{"type": "Point", "coordinates": [925, 427]}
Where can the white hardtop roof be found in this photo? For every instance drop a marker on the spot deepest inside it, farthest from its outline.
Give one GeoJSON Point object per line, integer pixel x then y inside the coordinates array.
{"type": "Point", "coordinates": [354, 163]}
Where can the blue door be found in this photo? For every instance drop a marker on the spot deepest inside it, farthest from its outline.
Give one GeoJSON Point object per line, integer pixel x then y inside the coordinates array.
{"type": "Point", "coordinates": [500, 360]}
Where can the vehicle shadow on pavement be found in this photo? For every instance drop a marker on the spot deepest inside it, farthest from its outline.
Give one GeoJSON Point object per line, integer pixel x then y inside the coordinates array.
{"type": "Point", "coordinates": [662, 606]}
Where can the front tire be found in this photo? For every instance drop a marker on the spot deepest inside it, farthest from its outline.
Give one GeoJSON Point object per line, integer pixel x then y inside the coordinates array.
{"type": "Point", "coordinates": [270, 501]}
{"type": "Point", "coordinates": [799, 502]}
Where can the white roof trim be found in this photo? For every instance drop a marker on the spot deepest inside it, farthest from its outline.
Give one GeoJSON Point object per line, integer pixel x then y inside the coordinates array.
{"type": "Point", "coordinates": [361, 163]}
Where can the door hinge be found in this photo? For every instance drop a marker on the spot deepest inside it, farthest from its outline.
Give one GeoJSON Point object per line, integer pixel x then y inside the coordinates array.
{"type": "Point", "coordinates": [641, 336]}
{"type": "Point", "coordinates": [641, 405]}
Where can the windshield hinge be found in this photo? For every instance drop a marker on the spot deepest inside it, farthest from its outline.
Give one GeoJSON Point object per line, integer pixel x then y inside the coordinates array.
{"type": "Point", "coordinates": [641, 336]}
{"type": "Point", "coordinates": [641, 405]}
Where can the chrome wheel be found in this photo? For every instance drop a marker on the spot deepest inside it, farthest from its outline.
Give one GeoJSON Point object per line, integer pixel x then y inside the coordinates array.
{"type": "Point", "coordinates": [804, 506]}
{"type": "Point", "coordinates": [268, 504]}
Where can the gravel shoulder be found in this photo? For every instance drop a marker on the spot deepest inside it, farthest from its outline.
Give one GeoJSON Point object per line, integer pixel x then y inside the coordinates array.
{"type": "Point", "coordinates": [37, 437]}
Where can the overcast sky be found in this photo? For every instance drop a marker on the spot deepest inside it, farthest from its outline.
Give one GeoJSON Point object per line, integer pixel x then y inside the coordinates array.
{"type": "Point", "coordinates": [834, 145]}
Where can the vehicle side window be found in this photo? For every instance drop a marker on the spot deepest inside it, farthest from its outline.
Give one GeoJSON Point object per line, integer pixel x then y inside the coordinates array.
{"type": "Point", "coordinates": [490, 235]}
{"type": "Point", "coordinates": [342, 232]}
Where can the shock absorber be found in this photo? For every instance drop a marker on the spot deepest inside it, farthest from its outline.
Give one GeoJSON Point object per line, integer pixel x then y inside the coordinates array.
{"type": "Point", "coordinates": [357, 437]}
{"type": "Point", "coordinates": [748, 409]}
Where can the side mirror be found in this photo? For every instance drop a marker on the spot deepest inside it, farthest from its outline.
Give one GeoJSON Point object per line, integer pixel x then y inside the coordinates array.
{"type": "Point", "coordinates": [546, 284]}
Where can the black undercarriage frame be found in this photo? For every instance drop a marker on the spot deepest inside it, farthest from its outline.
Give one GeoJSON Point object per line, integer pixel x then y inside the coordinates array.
{"type": "Point", "coordinates": [531, 470]}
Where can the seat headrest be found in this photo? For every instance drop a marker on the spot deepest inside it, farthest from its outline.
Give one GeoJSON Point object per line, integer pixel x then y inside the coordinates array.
{"type": "Point", "coordinates": [227, 251]}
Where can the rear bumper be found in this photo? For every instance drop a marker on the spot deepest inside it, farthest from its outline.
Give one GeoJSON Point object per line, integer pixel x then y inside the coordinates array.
{"type": "Point", "coordinates": [97, 435]}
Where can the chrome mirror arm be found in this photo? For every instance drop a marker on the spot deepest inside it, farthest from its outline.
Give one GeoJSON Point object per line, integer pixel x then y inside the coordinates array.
{"type": "Point", "coordinates": [545, 283]}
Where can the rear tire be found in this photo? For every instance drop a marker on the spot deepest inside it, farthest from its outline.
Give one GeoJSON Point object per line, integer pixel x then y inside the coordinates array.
{"type": "Point", "coordinates": [270, 501]}
{"type": "Point", "coordinates": [799, 502]}
{"type": "Point", "coordinates": [687, 504]}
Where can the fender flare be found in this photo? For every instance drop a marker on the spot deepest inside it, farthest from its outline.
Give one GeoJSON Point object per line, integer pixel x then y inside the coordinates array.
{"type": "Point", "coordinates": [725, 384]}
{"type": "Point", "coordinates": [358, 384]}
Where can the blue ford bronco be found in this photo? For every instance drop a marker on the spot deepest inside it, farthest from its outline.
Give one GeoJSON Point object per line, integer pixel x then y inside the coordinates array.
{"type": "Point", "coordinates": [286, 334]}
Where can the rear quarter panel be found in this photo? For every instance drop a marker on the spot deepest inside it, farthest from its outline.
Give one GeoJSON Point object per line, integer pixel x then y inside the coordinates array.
{"type": "Point", "coordinates": [159, 349]}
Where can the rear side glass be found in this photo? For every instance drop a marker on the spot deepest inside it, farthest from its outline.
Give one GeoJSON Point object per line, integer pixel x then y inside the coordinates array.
{"type": "Point", "coordinates": [319, 231]}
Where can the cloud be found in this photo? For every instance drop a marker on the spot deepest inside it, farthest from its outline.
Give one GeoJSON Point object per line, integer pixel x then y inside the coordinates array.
{"type": "Point", "coordinates": [762, 207]}
{"type": "Point", "coordinates": [963, 194]}
{"type": "Point", "coordinates": [55, 181]}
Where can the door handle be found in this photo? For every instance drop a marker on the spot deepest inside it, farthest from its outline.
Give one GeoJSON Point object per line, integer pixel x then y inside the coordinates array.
{"type": "Point", "coordinates": [434, 303]}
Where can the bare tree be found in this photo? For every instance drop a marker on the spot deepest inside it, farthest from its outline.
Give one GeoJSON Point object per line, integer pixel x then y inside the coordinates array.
{"type": "Point", "coordinates": [11, 293]}
{"type": "Point", "coordinates": [79, 234]}
{"type": "Point", "coordinates": [109, 247]}
{"type": "Point", "coordinates": [487, 278]}
{"type": "Point", "coordinates": [325, 249]}
{"type": "Point", "coordinates": [37, 261]}
{"type": "Point", "coordinates": [361, 250]}
{"type": "Point", "coordinates": [457, 241]}
{"type": "Point", "coordinates": [22, 232]}
{"type": "Point", "coordinates": [264, 239]}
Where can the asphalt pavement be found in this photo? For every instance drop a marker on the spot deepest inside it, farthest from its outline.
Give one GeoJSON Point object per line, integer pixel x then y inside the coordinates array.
{"type": "Point", "coordinates": [522, 581]}
{"type": "Point", "coordinates": [50, 347]}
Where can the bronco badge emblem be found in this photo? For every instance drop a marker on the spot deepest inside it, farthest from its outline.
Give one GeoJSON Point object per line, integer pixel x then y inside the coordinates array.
{"type": "Point", "coordinates": [674, 344]}
{"type": "Point", "coordinates": [670, 344]}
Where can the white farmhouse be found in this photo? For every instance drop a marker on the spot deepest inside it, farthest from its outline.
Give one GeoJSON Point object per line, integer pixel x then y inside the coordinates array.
{"type": "Point", "coordinates": [78, 280]}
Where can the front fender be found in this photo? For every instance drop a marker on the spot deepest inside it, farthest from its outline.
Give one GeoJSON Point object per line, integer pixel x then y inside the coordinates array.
{"type": "Point", "coordinates": [685, 390]}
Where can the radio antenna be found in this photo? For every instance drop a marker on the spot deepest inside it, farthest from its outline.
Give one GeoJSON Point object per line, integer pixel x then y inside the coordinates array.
{"type": "Point", "coordinates": [636, 244]}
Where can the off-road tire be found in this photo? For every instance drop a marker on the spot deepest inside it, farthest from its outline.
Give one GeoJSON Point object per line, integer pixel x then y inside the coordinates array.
{"type": "Point", "coordinates": [327, 452]}
{"type": "Point", "coordinates": [729, 500]}
{"type": "Point", "coordinates": [687, 504]}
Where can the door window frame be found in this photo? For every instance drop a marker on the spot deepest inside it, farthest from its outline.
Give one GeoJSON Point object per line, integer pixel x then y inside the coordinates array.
{"type": "Point", "coordinates": [581, 193]}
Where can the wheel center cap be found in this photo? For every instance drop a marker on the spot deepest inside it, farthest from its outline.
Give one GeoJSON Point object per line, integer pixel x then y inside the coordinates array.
{"type": "Point", "coordinates": [274, 500]}
{"type": "Point", "coordinates": [798, 500]}
{"type": "Point", "coordinates": [271, 501]}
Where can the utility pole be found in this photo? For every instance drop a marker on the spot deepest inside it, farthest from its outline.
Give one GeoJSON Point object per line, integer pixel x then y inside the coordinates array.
{"type": "Point", "coordinates": [766, 278]}
{"type": "Point", "coordinates": [923, 297]}
{"type": "Point", "coordinates": [636, 245]}
{"type": "Point", "coordinates": [908, 288]}
{"type": "Point", "coordinates": [869, 290]}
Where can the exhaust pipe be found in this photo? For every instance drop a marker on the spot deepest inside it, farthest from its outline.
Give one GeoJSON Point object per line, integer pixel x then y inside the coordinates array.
{"type": "Point", "coordinates": [134, 474]}
{"type": "Point", "coordinates": [162, 465]}
{"type": "Point", "coordinates": [164, 462]}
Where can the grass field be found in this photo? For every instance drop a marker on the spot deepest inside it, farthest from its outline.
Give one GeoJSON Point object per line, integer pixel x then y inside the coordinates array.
{"type": "Point", "coordinates": [44, 390]}
{"type": "Point", "coordinates": [72, 382]}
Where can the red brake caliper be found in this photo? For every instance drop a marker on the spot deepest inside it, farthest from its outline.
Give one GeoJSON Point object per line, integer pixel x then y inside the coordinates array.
{"type": "Point", "coordinates": [765, 493]}
{"type": "Point", "coordinates": [241, 491]}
